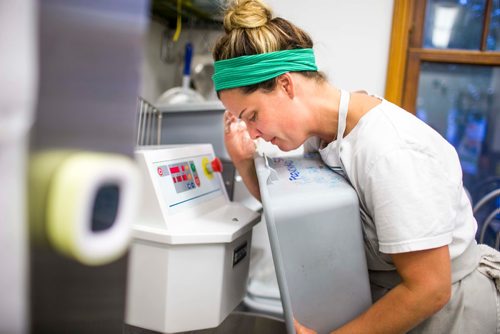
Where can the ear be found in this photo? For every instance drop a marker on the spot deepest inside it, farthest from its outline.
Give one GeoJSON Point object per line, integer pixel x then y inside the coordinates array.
{"type": "Point", "coordinates": [286, 83]}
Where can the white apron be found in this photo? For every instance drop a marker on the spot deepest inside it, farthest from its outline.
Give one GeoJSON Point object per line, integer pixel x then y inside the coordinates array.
{"type": "Point", "coordinates": [474, 306]}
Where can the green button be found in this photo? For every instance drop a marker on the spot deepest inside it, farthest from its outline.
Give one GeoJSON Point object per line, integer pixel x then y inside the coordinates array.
{"type": "Point", "coordinates": [193, 168]}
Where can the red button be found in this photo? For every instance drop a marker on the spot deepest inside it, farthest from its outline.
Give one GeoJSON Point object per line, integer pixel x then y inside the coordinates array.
{"type": "Point", "coordinates": [216, 165]}
{"type": "Point", "coordinates": [179, 178]}
{"type": "Point", "coordinates": [184, 177]}
{"type": "Point", "coordinates": [197, 180]}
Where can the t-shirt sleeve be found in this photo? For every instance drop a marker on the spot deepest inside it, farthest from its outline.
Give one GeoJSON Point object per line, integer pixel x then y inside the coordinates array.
{"type": "Point", "coordinates": [412, 201]}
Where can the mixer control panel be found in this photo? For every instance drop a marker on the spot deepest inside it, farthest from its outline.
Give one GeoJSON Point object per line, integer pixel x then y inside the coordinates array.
{"type": "Point", "coordinates": [184, 175]}
{"type": "Point", "coordinates": [187, 181]}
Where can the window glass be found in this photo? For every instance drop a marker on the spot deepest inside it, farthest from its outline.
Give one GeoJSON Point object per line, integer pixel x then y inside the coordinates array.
{"type": "Point", "coordinates": [493, 41]}
{"type": "Point", "coordinates": [462, 103]}
{"type": "Point", "coordinates": [454, 24]}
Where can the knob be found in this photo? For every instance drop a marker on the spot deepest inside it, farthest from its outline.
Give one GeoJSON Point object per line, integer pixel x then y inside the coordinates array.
{"type": "Point", "coordinates": [209, 167]}
{"type": "Point", "coordinates": [216, 165]}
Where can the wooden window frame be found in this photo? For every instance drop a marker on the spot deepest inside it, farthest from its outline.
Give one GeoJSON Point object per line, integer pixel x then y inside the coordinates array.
{"type": "Point", "coordinates": [406, 52]}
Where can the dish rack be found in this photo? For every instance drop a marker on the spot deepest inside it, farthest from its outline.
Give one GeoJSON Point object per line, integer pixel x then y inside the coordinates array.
{"type": "Point", "coordinates": [149, 122]}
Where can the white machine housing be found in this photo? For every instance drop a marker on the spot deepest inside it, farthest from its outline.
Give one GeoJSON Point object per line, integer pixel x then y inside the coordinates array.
{"type": "Point", "coordinates": [189, 257]}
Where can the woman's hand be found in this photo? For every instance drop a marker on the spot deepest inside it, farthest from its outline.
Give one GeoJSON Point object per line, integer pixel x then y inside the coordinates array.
{"type": "Point", "coordinates": [238, 143]}
{"type": "Point", "coordinates": [301, 329]}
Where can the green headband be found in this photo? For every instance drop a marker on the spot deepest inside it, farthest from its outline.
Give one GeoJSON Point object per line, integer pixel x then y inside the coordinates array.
{"type": "Point", "coordinates": [249, 70]}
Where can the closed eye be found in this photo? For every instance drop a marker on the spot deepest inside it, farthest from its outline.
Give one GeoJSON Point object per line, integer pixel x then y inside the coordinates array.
{"type": "Point", "coordinates": [253, 118]}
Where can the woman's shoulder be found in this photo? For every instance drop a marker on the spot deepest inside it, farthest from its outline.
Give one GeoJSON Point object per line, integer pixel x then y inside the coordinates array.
{"type": "Point", "coordinates": [388, 123]}
{"type": "Point", "coordinates": [386, 128]}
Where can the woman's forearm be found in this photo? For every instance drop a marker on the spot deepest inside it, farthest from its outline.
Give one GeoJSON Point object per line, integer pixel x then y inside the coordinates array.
{"type": "Point", "coordinates": [425, 289]}
{"type": "Point", "coordinates": [397, 312]}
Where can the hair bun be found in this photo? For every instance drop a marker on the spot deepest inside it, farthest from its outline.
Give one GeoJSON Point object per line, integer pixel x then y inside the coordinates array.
{"type": "Point", "coordinates": [242, 14]}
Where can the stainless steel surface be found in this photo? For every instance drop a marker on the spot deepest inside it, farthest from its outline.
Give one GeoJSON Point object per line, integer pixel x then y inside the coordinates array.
{"type": "Point", "coordinates": [235, 323]}
{"type": "Point", "coordinates": [203, 69]}
{"type": "Point", "coordinates": [193, 123]}
{"type": "Point", "coordinates": [89, 58]}
{"type": "Point", "coordinates": [316, 241]}
{"type": "Point", "coordinates": [90, 53]}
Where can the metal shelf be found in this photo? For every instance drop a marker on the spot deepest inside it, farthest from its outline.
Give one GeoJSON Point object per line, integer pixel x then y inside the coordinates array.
{"type": "Point", "coordinates": [192, 107]}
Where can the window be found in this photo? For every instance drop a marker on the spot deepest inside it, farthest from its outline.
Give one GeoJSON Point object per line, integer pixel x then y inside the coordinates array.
{"type": "Point", "coordinates": [444, 67]}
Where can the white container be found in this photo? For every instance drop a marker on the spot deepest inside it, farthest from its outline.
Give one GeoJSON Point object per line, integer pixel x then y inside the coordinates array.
{"type": "Point", "coordinates": [190, 254]}
{"type": "Point", "coordinates": [312, 216]}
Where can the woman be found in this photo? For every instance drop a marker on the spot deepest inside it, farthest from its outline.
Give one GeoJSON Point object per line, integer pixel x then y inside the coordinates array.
{"type": "Point", "coordinates": [427, 273]}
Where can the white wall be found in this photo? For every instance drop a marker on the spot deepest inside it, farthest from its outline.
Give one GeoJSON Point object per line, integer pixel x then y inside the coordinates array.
{"type": "Point", "coordinates": [351, 43]}
{"type": "Point", "coordinates": [159, 75]}
{"type": "Point", "coordinates": [351, 38]}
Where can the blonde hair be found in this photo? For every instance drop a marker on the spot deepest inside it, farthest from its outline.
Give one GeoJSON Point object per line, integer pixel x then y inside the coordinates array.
{"type": "Point", "coordinates": [251, 29]}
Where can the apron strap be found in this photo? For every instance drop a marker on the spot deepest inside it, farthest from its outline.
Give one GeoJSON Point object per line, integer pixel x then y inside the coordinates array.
{"type": "Point", "coordinates": [343, 109]}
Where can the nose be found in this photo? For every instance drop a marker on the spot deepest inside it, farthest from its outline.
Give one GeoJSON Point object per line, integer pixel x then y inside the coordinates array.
{"type": "Point", "coordinates": [254, 132]}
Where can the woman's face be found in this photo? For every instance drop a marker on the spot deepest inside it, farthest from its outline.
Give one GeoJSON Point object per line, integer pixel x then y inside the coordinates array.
{"type": "Point", "coordinates": [273, 116]}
